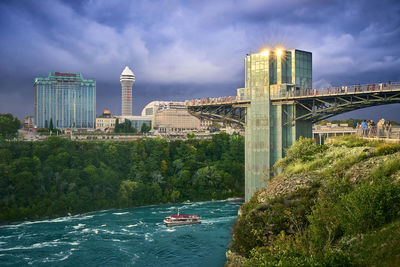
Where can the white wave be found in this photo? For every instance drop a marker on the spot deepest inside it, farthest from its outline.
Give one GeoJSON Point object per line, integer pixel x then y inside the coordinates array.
{"type": "Point", "coordinates": [218, 220]}
{"type": "Point", "coordinates": [57, 220]}
{"type": "Point", "coordinates": [103, 225]}
{"type": "Point", "coordinates": [79, 226]}
{"type": "Point", "coordinates": [58, 257]}
{"type": "Point", "coordinates": [106, 231]}
{"type": "Point", "coordinates": [164, 211]}
{"type": "Point", "coordinates": [120, 213]}
{"type": "Point", "coordinates": [41, 245]}
{"type": "Point", "coordinates": [134, 225]}
{"type": "Point", "coordinates": [171, 230]}
{"type": "Point", "coordinates": [88, 230]}
{"type": "Point", "coordinates": [1, 243]}
{"type": "Point", "coordinates": [147, 237]}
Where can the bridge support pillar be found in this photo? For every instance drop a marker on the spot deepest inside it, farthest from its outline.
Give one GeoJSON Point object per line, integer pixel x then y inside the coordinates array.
{"type": "Point", "coordinates": [267, 135]}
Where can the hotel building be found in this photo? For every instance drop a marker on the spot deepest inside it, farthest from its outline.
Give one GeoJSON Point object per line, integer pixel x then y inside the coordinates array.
{"type": "Point", "coordinates": [67, 99]}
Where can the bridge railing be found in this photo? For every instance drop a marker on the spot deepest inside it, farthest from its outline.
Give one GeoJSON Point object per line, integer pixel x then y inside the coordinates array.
{"type": "Point", "coordinates": [357, 88]}
{"type": "Point", "coordinates": [392, 132]}
{"type": "Point", "coordinates": [211, 100]}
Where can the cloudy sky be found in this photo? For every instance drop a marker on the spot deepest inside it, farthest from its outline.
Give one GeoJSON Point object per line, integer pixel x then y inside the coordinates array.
{"type": "Point", "coordinates": [189, 49]}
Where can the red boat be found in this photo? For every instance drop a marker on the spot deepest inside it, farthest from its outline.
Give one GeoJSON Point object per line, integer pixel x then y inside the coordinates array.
{"type": "Point", "coordinates": [181, 219]}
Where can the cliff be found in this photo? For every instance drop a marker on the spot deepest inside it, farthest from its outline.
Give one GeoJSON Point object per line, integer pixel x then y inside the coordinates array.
{"type": "Point", "coordinates": [333, 205]}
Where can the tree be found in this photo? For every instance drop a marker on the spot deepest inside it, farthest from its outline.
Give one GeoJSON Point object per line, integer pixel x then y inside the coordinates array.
{"type": "Point", "coordinates": [9, 126]}
{"type": "Point", "coordinates": [51, 127]}
{"type": "Point", "coordinates": [127, 126]}
{"type": "Point", "coordinates": [145, 128]}
{"type": "Point", "coordinates": [214, 127]}
{"type": "Point", "coordinates": [117, 126]}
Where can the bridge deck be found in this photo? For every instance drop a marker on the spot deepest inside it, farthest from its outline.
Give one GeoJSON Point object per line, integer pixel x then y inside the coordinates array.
{"type": "Point", "coordinates": [318, 104]}
{"type": "Point", "coordinates": [354, 90]}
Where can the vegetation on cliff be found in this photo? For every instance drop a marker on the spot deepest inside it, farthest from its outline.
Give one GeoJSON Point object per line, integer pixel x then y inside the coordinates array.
{"type": "Point", "coordinates": [334, 205]}
{"type": "Point", "coordinates": [57, 176]}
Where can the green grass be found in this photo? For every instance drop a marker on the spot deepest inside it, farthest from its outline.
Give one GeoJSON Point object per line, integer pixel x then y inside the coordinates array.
{"type": "Point", "coordinates": [380, 247]}
{"type": "Point", "coordinates": [337, 221]}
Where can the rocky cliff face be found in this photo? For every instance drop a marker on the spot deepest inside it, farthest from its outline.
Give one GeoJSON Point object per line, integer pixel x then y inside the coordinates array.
{"type": "Point", "coordinates": [317, 211]}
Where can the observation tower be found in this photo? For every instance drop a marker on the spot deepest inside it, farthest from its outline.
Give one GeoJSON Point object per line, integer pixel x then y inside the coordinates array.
{"type": "Point", "coordinates": [127, 79]}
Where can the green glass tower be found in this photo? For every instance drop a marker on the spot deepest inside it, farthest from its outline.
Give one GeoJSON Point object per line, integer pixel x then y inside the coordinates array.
{"type": "Point", "coordinates": [268, 128]}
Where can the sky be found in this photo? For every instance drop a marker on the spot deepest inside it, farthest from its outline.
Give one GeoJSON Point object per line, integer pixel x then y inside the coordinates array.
{"type": "Point", "coordinates": [189, 49]}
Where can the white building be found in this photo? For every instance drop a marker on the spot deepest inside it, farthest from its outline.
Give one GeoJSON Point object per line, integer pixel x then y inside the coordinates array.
{"type": "Point", "coordinates": [170, 117]}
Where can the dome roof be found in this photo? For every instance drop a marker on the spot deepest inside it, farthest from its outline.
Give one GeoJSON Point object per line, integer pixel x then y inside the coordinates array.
{"type": "Point", "coordinates": [106, 112]}
{"type": "Point", "coordinates": [127, 71]}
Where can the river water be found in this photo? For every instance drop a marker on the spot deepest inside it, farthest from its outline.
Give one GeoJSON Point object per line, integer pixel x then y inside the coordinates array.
{"type": "Point", "coordinates": [126, 237]}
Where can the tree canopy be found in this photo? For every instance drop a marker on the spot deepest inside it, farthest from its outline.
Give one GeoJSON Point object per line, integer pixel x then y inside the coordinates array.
{"type": "Point", "coordinates": [9, 126]}
{"type": "Point", "coordinates": [58, 176]}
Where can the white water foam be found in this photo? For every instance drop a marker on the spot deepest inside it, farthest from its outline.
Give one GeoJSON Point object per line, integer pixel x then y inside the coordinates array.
{"type": "Point", "coordinates": [218, 220]}
{"type": "Point", "coordinates": [134, 225]}
{"type": "Point", "coordinates": [147, 237]}
{"type": "Point", "coordinates": [57, 220]}
{"type": "Point", "coordinates": [58, 257]}
{"type": "Point", "coordinates": [120, 213]}
{"type": "Point", "coordinates": [88, 230]}
{"type": "Point", "coordinates": [41, 245]}
{"type": "Point", "coordinates": [79, 226]}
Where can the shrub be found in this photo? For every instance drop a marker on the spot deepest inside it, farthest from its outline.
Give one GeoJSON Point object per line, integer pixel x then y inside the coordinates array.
{"type": "Point", "coordinates": [381, 246]}
{"type": "Point", "coordinates": [353, 141]}
{"type": "Point", "coordinates": [386, 169]}
{"type": "Point", "coordinates": [295, 251]}
{"type": "Point", "coordinates": [387, 149]}
{"type": "Point", "coordinates": [260, 225]}
{"type": "Point", "coordinates": [370, 205]}
{"type": "Point", "coordinates": [303, 150]}
{"type": "Point", "coordinates": [325, 221]}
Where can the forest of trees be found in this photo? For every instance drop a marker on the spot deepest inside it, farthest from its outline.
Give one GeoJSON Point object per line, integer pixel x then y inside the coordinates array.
{"type": "Point", "coordinates": [9, 126]}
{"type": "Point", "coordinates": [57, 176]}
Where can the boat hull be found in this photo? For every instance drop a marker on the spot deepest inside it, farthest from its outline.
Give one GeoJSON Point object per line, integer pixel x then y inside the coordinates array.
{"type": "Point", "coordinates": [169, 223]}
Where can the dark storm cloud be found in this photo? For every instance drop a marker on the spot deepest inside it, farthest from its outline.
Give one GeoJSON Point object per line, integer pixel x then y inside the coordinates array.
{"type": "Point", "coordinates": [184, 49]}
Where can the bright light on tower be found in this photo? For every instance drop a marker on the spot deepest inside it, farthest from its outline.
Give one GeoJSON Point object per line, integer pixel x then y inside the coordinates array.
{"type": "Point", "coordinates": [264, 52]}
{"type": "Point", "coordinates": [279, 52]}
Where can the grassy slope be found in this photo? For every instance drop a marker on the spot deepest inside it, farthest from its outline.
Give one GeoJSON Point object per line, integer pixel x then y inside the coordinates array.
{"type": "Point", "coordinates": [333, 205]}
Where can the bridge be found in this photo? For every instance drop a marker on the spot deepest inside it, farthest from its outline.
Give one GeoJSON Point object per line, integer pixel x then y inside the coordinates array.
{"type": "Point", "coordinates": [320, 103]}
{"type": "Point", "coordinates": [277, 106]}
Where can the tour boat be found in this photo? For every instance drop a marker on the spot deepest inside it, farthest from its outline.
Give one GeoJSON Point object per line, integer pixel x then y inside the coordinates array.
{"type": "Point", "coordinates": [181, 219]}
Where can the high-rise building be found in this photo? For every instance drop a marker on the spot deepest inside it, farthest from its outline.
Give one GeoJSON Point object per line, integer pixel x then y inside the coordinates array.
{"type": "Point", "coordinates": [127, 79]}
{"type": "Point", "coordinates": [66, 99]}
{"type": "Point", "coordinates": [267, 74]}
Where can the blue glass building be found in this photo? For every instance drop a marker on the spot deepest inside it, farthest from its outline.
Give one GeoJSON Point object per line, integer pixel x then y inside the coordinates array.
{"type": "Point", "coordinates": [67, 99]}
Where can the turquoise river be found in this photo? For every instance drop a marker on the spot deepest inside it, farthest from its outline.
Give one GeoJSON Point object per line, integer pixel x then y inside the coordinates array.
{"type": "Point", "coordinates": [126, 237]}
